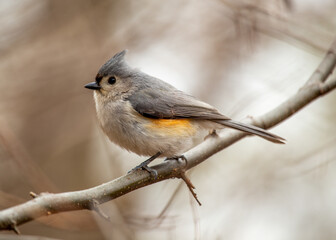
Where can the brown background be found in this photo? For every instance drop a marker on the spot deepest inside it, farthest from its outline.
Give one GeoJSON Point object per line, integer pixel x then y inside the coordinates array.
{"type": "Point", "coordinates": [244, 57]}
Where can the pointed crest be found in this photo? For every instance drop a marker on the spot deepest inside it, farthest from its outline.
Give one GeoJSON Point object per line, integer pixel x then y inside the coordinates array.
{"type": "Point", "coordinates": [113, 64]}
{"type": "Point", "coordinates": [120, 55]}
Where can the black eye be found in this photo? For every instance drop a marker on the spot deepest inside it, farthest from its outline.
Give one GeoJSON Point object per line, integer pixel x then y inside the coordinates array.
{"type": "Point", "coordinates": [111, 80]}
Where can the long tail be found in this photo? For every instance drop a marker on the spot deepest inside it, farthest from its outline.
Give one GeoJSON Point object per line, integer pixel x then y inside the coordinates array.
{"type": "Point", "coordinates": [253, 130]}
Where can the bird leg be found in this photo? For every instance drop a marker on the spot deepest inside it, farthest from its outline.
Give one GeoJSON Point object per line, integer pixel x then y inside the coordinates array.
{"type": "Point", "coordinates": [144, 165]}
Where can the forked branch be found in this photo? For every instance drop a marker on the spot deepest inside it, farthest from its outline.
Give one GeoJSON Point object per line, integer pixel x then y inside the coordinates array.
{"type": "Point", "coordinates": [45, 204]}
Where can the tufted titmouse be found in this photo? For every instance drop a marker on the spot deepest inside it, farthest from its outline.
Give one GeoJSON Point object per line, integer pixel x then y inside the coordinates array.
{"type": "Point", "coordinates": [150, 117]}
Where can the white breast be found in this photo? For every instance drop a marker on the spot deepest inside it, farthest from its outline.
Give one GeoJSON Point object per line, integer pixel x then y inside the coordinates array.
{"type": "Point", "coordinates": [128, 129]}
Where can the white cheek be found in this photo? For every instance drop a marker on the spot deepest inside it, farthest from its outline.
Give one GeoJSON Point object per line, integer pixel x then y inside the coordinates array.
{"type": "Point", "coordinates": [95, 97]}
{"type": "Point", "coordinates": [99, 100]}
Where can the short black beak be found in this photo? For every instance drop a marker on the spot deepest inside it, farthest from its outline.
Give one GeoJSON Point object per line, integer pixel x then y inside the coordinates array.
{"type": "Point", "coordinates": [92, 86]}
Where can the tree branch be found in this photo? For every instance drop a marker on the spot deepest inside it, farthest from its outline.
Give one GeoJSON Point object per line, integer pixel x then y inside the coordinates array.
{"type": "Point", "coordinates": [47, 203]}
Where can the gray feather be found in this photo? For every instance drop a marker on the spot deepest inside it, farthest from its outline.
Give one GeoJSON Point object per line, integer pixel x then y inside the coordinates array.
{"type": "Point", "coordinates": [253, 130]}
{"type": "Point", "coordinates": [116, 66]}
{"type": "Point", "coordinates": [172, 104]}
{"type": "Point", "coordinates": [154, 98]}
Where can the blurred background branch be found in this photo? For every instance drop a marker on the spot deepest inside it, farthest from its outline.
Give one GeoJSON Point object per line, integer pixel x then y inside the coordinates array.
{"type": "Point", "coordinates": [47, 204]}
{"type": "Point", "coordinates": [244, 57]}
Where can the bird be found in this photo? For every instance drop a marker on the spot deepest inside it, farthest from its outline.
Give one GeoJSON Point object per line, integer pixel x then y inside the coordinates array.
{"type": "Point", "coordinates": [150, 117]}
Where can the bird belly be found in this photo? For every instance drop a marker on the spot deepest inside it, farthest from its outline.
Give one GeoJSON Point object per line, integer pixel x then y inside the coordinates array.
{"type": "Point", "coordinates": [146, 136]}
{"type": "Point", "coordinates": [171, 127]}
{"type": "Point", "coordinates": [172, 137]}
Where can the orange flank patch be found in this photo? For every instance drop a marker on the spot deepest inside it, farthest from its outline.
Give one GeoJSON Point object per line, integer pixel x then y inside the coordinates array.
{"type": "Point", "coordinates": [172, 127]}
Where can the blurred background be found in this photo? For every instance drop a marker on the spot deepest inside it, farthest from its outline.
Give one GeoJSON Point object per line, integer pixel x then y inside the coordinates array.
{"type": "Point", "coordinates": [244, 57]}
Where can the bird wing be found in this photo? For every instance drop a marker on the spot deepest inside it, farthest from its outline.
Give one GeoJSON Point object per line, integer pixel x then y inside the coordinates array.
{"type": "Point", "coordinates": [172, 104]}
{"type": "Point", "coordinates": [175, 104]}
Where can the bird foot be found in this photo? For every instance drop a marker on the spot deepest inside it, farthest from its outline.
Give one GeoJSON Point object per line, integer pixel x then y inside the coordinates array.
{"type": "Point", "coordinates": [144, 166]}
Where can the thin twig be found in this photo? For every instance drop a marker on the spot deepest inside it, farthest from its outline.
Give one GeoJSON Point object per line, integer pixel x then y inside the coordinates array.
{"type": "Point", "coordinates": [33, 195]}
{"type": "Point", "coordinates": [46, 204]}
{"type": "Point", "coordinates": [14, 227]}
{"type": "Point", "coordinates": [191, 187]}
{"type": "Point", "coordinates": [95, 207]}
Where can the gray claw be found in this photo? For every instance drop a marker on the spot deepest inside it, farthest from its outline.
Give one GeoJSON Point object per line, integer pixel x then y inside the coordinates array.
{"type": "Point", "coordinates": [152, 171]}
